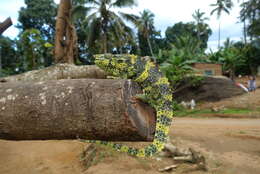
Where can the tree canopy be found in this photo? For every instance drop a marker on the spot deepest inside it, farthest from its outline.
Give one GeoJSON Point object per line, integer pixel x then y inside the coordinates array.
{"type": "Point", "coordinates": [102, 27]}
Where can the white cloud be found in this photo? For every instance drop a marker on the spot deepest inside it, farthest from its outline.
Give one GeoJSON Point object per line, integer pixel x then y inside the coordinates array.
{"type": "Point", "coordinates": [213, 45]}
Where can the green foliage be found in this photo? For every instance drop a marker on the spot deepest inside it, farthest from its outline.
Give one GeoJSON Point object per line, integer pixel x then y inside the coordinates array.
{"type": "Point", "coordinates": [34, 49]}
{"type": "Point", "coordinates": [36, 15]}
{"type": "Point", "coordinates": [9, 56]}
{"type": "Point", "coordinates": [220, 6]}
{"type": "Point", "coordinates": [39, 14]}
{"type": "Point", "coordinates": [149, 39]}
{"type": "Point", "coordinates": [250, 13]}
{"type": "Point", "coordinates": [237, 58]}
{"type": "Point", "coordinates": [203, 112]}
{"type": "Point", "coordinates": [146, 32]}
{"type": "Point", "coordinates": [231, 58]}
{"type": "Point", "coordinates": [176, 66]}
{"type": "Point", "coordinates": [202, 29]}
{"type": "Point", "coordinates": [177, 107]}
{"type": "Point", "coordinates": [179, 29]}
{"type": "Point", "coordinates": [105, 29]}
{"type": "Point", "coordinates": [188, 47]}
{"type": "Point", "coordinates": [28, 53]}
{"type": "Point", "coordinates": [200, 32]}
{"type": "Point", "coordinates": [251, 53]}
{"type": "Point", "coordinates": [101, 28]}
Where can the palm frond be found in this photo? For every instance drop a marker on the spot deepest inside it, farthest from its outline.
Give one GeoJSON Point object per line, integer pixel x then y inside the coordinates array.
{"type": "Point", "coordinates": [94, 31]}
{"type": "Point", "coordinates": [213, 11]}
{"type": "Point", "coordinates": [124, 3]}
{"type": "Point", "coordinates": [226, 10]}
{"type": "Point", "coordinates": [130, 17]}
{"type": "Point", "coordinates": [94, 2]}
{"type": "Point", "coordinates": [80, 11]}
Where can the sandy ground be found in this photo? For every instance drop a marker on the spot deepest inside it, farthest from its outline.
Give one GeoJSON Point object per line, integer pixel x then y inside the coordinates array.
{"type": "Point", "coordinates": [249, 100]}
{"type": "Point", "coordinates": [231, 146]}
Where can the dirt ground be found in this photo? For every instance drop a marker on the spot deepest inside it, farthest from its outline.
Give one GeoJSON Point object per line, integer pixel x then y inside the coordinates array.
{"type": "Point", "coordinates": [249, 100]}
{"type": "Point", "coordinates": [230, 146]}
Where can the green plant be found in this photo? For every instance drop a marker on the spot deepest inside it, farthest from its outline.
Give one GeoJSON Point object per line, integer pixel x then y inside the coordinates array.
{"type": "Point", "coordinates": [176, 66]}
{"type": "Point", "coordinates": [201, 112]}
{"type": "Point", "coordinates": [220, 6]}
{"type": "Point", "coordinates": [177, 107]}
{"type": "Point", "coordinates": [105, 26]}
{"type": "Point", "coordinates": [34, 49]}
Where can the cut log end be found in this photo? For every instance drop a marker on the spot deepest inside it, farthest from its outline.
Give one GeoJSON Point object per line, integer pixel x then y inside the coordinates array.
{"type": "Point", "coordinates": [145, 118]}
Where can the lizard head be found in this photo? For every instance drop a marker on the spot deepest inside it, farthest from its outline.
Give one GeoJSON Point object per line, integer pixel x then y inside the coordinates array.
{"type": "Point", "coordinates": [117, 65]}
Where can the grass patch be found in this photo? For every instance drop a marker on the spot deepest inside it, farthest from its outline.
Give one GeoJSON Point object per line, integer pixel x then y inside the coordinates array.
{"type": "Point", "coordinates": [183, 113]}
{"type": "Point", "coordinates": [95, 154]}
{"type": "Point", "coordinates": [236, 111]}
{"type": "Point", "coordinates": [201, 112]}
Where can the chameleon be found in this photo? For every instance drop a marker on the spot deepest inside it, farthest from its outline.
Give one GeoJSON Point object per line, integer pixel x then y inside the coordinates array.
{"type": "Point", "coordinates": [157, 91]}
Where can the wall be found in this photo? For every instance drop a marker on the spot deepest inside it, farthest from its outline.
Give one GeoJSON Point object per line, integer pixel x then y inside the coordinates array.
{"type": "Point", "coordinates": [207, 69]}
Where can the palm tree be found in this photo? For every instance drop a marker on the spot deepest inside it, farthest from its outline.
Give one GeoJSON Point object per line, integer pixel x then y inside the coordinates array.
{"type": "Point", "coordinates": [243, 19]}
{"type": "Point", "coordinates": [200, 19]}
{"type": "Point", "coordinates": [221, 5]}
{"type": "Point", "coordinates": [228, 43]}
{"type": "Point", "coordinates": [176, 67]}
{"type": "Point", "coordinates": [145, 25]}
{"type": "Point", "coordinates": [188, 46]}
{"type": "Point", "coordinates": [232, 58]}
{"type": "Point", "coordinates": [103, 23]}
{"type": "Point", "coordinates": [249, 12]}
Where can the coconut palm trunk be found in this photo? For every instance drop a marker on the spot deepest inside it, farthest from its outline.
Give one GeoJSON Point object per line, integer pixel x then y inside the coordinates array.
{"type": "Point", "coordinates": [245, 35]}
{"type": "Point", "coordinates": [244, 28]}
{"type": "Point", "coordinates": [221, 5]}
{"type": "Point", "coordinates": [150, 46]}
{"type": "Point", "coordinates": [105, 41]}
{"type": "Point", "coordinates": [219, 34]}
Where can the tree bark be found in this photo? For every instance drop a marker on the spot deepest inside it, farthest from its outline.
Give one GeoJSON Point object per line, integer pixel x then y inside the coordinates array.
{"type": "Point", "coordinates": [65, 37]}
{"type": "Point", "coordinates": [5, 25]}
{"type": "Point", "coordinates": [57, 72]}
{"type": "Point", "coordinates": [150, 47]}
{"type": "Point", "coordinates": [68, 109]}
{"type": "Point", "coordinates": [219, 34]}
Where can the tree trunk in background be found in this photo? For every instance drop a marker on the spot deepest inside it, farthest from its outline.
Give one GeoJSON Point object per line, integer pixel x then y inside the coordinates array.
{"type": "Point", "coordinates": [150, 47]}
{"type": "Point", "coordinates": [71, 109]}
{"type": "Point", "coordinates": [219, 35]}
{"type": "Point", "coordinates": [65, 37]}
{"type": "Point", "coordinates": [4, 25]}
{"type": "Point", "coordinates": [245, 34]}
{"type": "Point", "coordinates": [0, 61]}
{"type": "Point", "coordinates": [105, 45]}
{"type": "Point", "coordinates": [244, 28]}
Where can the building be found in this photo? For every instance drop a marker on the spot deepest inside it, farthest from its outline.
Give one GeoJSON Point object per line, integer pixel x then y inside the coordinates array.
{"type": "Point", "coordinates": [208, 69]}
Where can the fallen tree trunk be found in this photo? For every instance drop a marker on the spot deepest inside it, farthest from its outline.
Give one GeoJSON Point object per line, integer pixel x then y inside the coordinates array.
{"type": "Point", "coordinates": [70, 109]}
{"type": "Point", "coordinates": [57, 72]}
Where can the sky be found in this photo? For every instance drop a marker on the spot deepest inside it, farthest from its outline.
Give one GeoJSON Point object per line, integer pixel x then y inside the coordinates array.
{"type": "Point", "coordinates": [167, 13]}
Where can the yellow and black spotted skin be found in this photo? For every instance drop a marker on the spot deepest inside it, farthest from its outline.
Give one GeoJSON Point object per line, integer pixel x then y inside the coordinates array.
{"type": "Point", "coordinates": [156, 88]}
